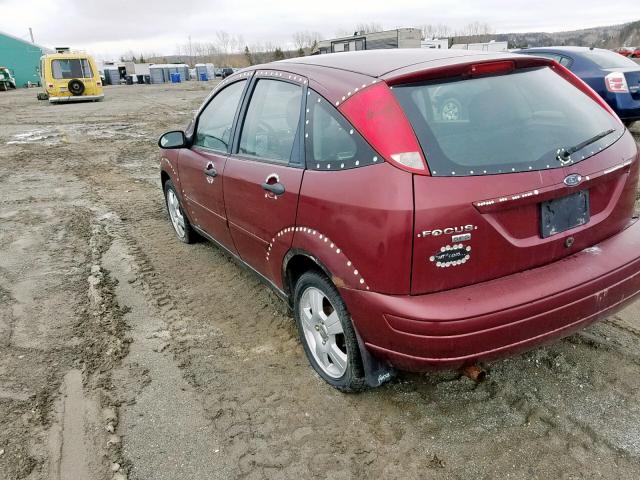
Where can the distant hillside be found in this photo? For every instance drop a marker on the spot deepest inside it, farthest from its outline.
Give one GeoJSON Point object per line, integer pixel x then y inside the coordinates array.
{"type": "Point", "coordinates": [614, 36]}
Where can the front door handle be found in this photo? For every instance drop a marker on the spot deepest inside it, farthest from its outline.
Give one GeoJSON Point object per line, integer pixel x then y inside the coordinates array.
{"type": "Point", "coordinates": [211, 171]}
{"type": "Point", "coordinates": [276, 188]}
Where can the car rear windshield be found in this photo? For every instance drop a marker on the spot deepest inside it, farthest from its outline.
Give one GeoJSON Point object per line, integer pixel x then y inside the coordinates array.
{"type": "Point", "coordinates": [71, 68]}
{"type": "Point", "coordinates": [606, 59]}
{"type": "Point", "coordinates": [502, 124]}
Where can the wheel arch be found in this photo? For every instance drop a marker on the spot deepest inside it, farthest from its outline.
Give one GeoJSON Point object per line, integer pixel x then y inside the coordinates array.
{"type": "Point", "coordinates": [164, 176]}
{"type": "Point", "coordinates": [168, 171]}
{"type": "Point", "coordinates": [296, 262]}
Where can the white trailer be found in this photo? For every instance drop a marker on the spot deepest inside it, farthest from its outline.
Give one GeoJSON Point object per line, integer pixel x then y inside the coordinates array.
{"type": "Point", "coordinates": [491, 46]}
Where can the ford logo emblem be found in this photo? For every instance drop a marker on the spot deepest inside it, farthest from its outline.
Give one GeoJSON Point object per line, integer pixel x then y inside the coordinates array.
{"type": "Point", "coordinates": [572, 180]}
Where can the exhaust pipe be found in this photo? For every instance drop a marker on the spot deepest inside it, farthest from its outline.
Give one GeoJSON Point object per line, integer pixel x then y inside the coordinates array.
{"type": "Point", "coordinates": [475, 373]}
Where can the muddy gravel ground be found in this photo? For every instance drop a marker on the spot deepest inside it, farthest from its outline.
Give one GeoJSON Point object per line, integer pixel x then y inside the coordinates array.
{"type": "Point", "coordinates": [127, 354]}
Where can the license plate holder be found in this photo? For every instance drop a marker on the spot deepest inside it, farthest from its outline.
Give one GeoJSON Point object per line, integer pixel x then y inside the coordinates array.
{"type": "Point", "coordinates": [564, 213]}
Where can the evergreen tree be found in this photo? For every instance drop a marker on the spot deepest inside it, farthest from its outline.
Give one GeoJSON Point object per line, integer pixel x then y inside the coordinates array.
{"type": "Point", "coordinates": [278, 54]}
{"type": "Point", "coordinates": [247, 55]}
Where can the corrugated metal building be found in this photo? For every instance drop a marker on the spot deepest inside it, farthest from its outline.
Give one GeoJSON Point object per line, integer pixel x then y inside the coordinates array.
{"type": "Point", "coordinates": [22, 57]}
{"type": "Point", "coordinates": [398, 38]}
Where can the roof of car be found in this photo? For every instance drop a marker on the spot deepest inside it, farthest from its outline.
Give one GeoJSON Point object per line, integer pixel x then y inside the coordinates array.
{"type": "Point", "coordinates": [376, 63]}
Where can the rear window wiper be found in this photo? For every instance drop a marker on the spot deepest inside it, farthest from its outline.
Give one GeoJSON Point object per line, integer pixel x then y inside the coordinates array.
{"type": "Point", "coordinates": [563, 155]}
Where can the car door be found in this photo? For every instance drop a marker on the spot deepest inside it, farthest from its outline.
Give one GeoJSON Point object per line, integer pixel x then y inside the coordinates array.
{"type": "Point", "coordinates": [202, 166]}
{"type": "Point", "coordinates": [263, 175]}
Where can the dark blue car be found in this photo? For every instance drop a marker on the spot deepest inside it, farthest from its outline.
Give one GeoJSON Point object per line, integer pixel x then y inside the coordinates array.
{"type": "Point", "coordinates": [614, 77]}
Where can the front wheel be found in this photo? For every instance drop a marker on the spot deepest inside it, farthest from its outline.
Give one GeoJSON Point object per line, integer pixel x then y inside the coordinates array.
{"type": "Point", "coordinates": [326, 332]}
{"type": "Point", "coordinates": [179, 220]}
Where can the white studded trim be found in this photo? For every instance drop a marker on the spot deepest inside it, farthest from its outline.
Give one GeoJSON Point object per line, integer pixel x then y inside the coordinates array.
{"type": "Point", "coordinates": [166, 161]}
{"type": "Point", "coordinates": [279, 74]}
{"type": "Point", "coordinates": [517, 196]}
{"type": "Point", "coordinates": [463, 256]}
{"type": "Point", "coordinates": [353, 91]}
{"type": "Point", "coordinates": [325, 242]}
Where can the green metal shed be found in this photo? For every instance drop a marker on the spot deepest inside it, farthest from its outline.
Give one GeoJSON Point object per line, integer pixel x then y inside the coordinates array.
{"type": "Point", "coordinates": [22, 57]}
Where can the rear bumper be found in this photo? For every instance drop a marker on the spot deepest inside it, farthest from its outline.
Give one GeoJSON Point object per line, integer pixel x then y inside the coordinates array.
{"type": "Point", "coordinates": [77, 98]}
{"type": "Point", "coordinates": [500, 317]}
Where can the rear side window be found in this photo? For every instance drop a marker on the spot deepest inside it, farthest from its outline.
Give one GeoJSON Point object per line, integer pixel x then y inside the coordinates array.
{"type": "Point", "coordinates": [216, 120]}
{"type": "Point", "coordinates": [331, 142]}
{"type": "Point", "coordinates": [561, 59]}
{"type": "Point", "coordinates": [71, 68]}
{"type": "Point", "coordinates": [503, 124]}
{"type": "Point", "coordinates": [272, 121]}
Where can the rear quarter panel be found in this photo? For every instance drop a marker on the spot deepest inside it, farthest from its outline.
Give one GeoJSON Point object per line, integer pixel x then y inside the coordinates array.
{"type": "Point", "coordinates": [359, 224]}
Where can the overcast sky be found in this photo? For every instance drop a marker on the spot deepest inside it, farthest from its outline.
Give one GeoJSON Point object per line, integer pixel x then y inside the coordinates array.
{"type": "Point", "coordinates": [112, 27]}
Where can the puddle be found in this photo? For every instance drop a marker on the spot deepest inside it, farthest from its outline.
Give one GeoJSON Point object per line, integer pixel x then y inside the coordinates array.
{"type": "Point", "coordinates": [112, 131]}
{"type": "Point", "coordinates": [56, 135]}
{"type": "Point", "coordinates": [41, 135]}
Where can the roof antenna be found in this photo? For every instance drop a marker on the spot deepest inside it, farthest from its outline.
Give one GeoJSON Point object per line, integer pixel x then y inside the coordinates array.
{"type": "Point", "coordinates": [31, 35]}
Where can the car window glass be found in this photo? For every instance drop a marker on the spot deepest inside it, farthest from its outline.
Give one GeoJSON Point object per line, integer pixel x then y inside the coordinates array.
{"type": "Point", "coordinates": [607, 59]}
{"type": "Point", "coordinates": [272, 121]}
{"type": "Point", "coordinates": [71, 68]}
{"type": "Point", "coordinates": [509, 123]}
{"type": "Point", "coordinates": [552, 56]}
{"type": "Point", "coordinates": [331, 141]}
{"type": "Point", "coordinates": [565, 61]}
{"type": "Point", "coordinates": [216, 120]}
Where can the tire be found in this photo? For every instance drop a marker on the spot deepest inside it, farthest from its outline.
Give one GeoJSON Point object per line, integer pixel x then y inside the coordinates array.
{"type": "Point", "coordinates": [179, 221]}
{"type": "Point", "coordinates": [3, 87]}
{"type": "Point", "coordinates": [76, 87]}
{"type": "Point", "coordinates": [325, 341]}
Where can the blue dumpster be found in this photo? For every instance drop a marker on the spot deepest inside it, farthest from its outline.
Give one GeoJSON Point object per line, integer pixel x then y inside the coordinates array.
{"type": "Point", "coordinates": [175, 77]}
{"type": "Point", "coordinates": [203, 77]}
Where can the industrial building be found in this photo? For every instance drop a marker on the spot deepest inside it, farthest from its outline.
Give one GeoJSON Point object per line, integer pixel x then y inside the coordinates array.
{"type": "Point", "coordinates": [22, 57]}
{"type": "Point", "coordinates": [398, 38]}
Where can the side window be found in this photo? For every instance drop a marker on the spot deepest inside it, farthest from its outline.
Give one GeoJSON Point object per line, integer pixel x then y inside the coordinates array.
{"type": "Point", "coordinates": [552, 56]}
{"type": "Point", "coordinates": [565, 61]}
{"type": "Point", "coordinates": [216, 120]}
{"type": "Point", "coordinates": [331, 142]}
{"type": "Point", "coordinates": [272, 121]}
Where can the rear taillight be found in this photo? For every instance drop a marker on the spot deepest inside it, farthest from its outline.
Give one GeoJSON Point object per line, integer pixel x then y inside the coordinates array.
{"type": "Point", "coordinates": [50, 85]}
{"type": "Point", "coordinates": [377, 115]}
{"type": "Point", "coordinates": [616, 82]}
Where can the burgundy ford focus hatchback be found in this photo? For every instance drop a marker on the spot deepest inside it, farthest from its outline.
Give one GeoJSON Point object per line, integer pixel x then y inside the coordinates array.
{"type": "Point", "coordinates": [418, 209]}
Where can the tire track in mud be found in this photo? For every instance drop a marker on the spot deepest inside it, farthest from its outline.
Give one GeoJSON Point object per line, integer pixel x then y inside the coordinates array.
{"type": "Point", "coordinates": [57, 336]}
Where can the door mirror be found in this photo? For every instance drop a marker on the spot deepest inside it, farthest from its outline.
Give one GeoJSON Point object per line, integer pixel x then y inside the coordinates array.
{"type": "Point", "coordinates": [175, 139]}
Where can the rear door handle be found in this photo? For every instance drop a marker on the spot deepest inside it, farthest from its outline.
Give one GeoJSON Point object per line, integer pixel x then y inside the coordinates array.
{"type": "Point", "coordinates": [276, 188]}
{"type": "Point", "coordinates": [211, 171]}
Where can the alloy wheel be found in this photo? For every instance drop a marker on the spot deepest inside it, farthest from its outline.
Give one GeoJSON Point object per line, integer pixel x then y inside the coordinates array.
{"type": "Point", "coordinates": [177, 218]}
{"type": "Point", "coordinates": [323, 332]}
{"type": "Point", "coordinates": [451, 111]}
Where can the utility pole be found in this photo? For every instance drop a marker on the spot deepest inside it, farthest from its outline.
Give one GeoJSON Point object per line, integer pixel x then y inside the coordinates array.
{"type": "Point", "coordinates": [190, 52]}
{"type": "Point", "coordinates": [31, 34]}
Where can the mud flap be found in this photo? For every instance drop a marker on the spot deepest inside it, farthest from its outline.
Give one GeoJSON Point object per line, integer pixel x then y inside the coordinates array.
{"type": "Point", "coordinates": [376, 372]}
